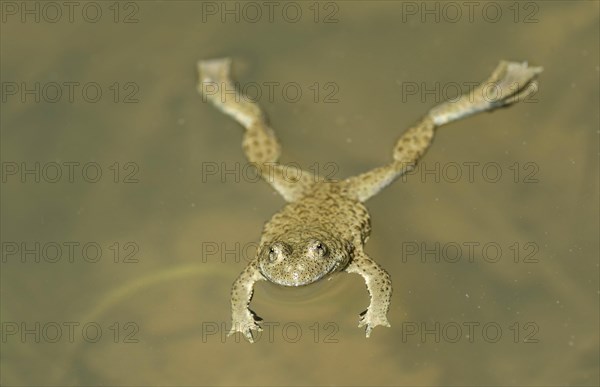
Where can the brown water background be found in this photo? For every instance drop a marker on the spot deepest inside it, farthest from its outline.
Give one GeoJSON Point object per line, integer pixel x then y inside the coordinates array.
{"type": "Point", "coordinates": [495, 272]}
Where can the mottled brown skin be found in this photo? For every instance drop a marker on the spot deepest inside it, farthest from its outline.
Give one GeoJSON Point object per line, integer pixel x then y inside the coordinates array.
{"type": "Point", "coordinates": [323, 228]}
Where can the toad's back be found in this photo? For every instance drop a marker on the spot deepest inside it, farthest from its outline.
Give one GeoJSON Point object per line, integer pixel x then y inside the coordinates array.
{"type": "Point", "coordinates": [324, 209]}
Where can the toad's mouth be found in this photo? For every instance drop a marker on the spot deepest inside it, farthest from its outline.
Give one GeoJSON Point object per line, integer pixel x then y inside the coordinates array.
{"type": "Point", "coordinates": [297, 277]}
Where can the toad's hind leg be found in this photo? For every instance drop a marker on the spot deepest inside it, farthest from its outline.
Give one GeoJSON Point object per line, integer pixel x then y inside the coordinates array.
{"type": "Point", "coordinates": [260, 144]}
{"type": "Point", "coordinates": [510, 81]}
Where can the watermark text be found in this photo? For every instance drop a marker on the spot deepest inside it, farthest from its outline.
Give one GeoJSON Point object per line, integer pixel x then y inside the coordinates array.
{"type": "Point", "coordinates": [68, 172]}
{"type": "Point", "coordinates": [69, 252]}
{"type": "Point", "coordinates": [53, 332]}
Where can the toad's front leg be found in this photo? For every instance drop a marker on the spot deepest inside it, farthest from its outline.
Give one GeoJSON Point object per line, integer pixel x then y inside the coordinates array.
{"type": "Point", "coordinates": [379, 286]}
{"type": "Point", "coordinates": [242, 318]}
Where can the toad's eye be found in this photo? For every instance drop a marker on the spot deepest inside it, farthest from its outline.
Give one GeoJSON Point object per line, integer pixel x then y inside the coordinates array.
{"type": "Point", "coordinates": [321, 249]}
{"type": "Point", "coordinates": [272, 255]}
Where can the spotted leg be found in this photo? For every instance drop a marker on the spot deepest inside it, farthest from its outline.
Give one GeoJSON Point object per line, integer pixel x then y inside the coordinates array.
{"type": "Point", "coordinates": [260, 144]}
{"type": "Point", "coordinates": [509, 83]}
{"type": "Point", "coordinates": [242, 318]}
{"type": "Point", "coordinates": [379, 286]}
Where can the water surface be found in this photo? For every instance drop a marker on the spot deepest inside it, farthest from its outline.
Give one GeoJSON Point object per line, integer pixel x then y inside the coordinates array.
{"type": "Point", "coordinates": [492, 244]}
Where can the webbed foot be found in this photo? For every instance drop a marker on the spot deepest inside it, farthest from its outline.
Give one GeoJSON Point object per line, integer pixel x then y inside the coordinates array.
{"type": "Point", "coordinates": [515, 82]}
{"type": "Point", "coordinates": [510, 82]}
{"type": "Point", "coordinates": [245, 324]}
{"type": "Point", "coordinates": [371, 320]}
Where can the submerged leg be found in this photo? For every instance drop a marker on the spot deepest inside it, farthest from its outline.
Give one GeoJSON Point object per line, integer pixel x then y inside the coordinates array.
{"type": "Point", "coordinates": [379, 286]}
{"type": "Point", "coordinates": [242, 318]}
{"type": "Point", "coordinates": [260, 144]}
{"type": "Point", "coordinates": [509, 83]}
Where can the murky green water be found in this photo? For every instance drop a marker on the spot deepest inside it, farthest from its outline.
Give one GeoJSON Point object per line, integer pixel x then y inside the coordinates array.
{"type": "Point", "coordinates": [120, 246]}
